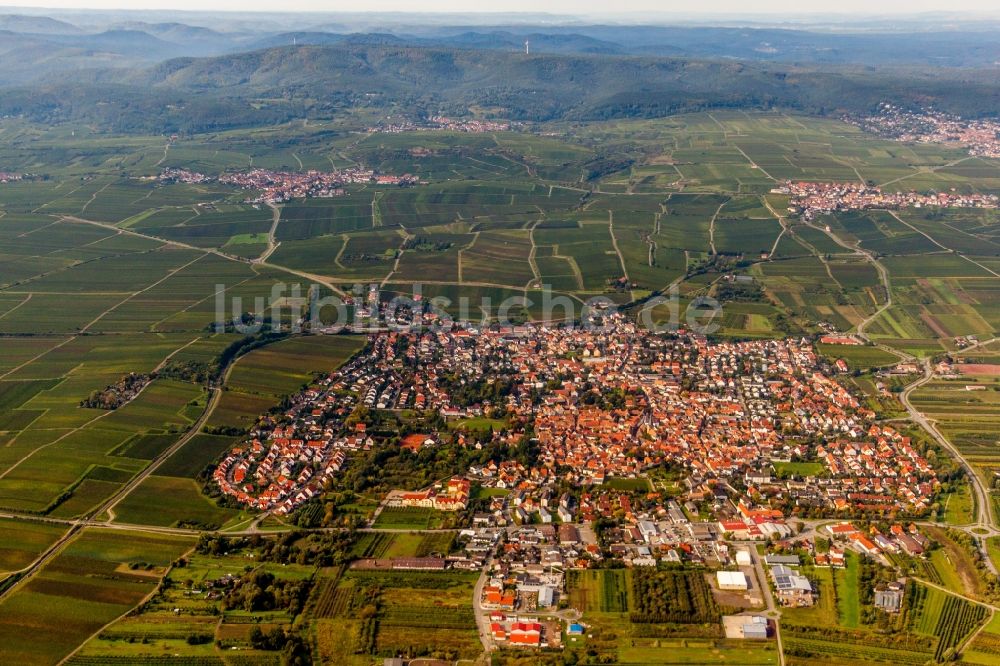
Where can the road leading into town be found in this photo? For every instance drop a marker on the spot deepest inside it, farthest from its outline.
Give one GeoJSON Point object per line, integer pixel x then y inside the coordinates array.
{"type": "Point", "coordinates": [984, 504]}
{"type": "Point", "coordinates": [984, 507]}
{"type": "Point", "coordinates": [772, 608]}
{"type": "Point", "coordinates": [482, 619]}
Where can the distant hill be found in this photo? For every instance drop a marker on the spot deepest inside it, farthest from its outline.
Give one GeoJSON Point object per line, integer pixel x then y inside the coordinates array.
{"type": "Point", "coordinates": [296, 38]}
{"type": "Point", "coordinates": [31, 57]}
{"type": "Point", "coordinates": [947, 48]}
{"type": "Point", "coordinates": [133, 43]}
{"type": "Point", "coordinates": [200, 94]}
{"type": "Point", "coordinates": [115, 39]}
{"type": "Point", "coordinates": [28, 58]}
{"type": "Point", "coordinates": [37, 24]}
{"type": "Point", "coordinates": [542, 86]}
{"type": "Point", "coordinates": [195, 40]}
{"type": "Point", "coordinates": [967, 47]}
{"type": "Point", "coordinates": [174, 32]}
{"type": "Point", "coordinates": [506, 41]}
{"type": "Point", "coordinates": [951, 49]}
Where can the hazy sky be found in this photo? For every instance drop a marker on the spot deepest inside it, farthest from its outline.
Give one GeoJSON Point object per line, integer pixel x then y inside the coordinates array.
{"type": "Point", "coordinates": [577, 7]}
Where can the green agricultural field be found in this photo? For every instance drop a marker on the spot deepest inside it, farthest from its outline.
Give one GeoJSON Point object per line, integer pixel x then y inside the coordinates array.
{"type": "Point", "coordinates": [168, 501]}
{"type": "Point", "coordinates": [195, 455]}
{"type": "Point", "coordinates": [281, 369]}
{"type": "Point", "coordinates": [621, 483]}
{"type": "Point", "coordinates": [983, 648]}
{"type": "Point", "coordinates": [846, 580]}
{"type": "Point", "coordinates": [838, 628]}
{"type": "Point", "coordinates": [949, 618]}
{"type": "Point", "coordinates": [860, 357]}
{"type": "Point", "coordinates": [601, 591]}
{"type": "Point", "coordinates": [508, 223]}
{"type": "Point", "coordinates": [416, 612]}
{"type": "Point", "coordinates": [185, 608]}
{"type": "Point", "coordinates": [969, 418]}
{"type": "Point", "coordinates": [798, 468]}
{"type": "Point", "coordinates": [262, 378]}
{"type": "Point", "coordinates": [98, 576]}
{"type": "Point", "coordinates": [402, 518]}
{"type": "Point", "coordinates": [959, 506]}
{"type": "Point", "coordinates": [61, 469]}
{"type": "Point", "coordinates": [23, 541]}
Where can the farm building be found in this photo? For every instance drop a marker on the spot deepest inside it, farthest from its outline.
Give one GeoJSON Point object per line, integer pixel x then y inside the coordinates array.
{"type": "Point", "coordinates": [889, 597]}
{"type": "Point", "coordinates": [755, 627]}
{"type": "Point", "coordinates": [787, 560]}
{"type": "Point", "coordinates": [793, 588]}
{"type": "Point", "coordinates": [732, 580]}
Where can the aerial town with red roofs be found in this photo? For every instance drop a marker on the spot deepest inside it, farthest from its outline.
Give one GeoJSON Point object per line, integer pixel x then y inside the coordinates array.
{"type": "Point", "coordinates": [979, 137]}
{"type": "Point", "coordinates": [605, 408]}
{"type": "Point", "coordinates": [813, 199]}
{"type": "Point", "coordinates": [273, 187]}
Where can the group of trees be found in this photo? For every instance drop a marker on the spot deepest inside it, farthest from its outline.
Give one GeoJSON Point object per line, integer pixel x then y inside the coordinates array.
{"type": "Point", "coordinates": [117, 394]}
{"type": "Point", "coordinates": [969, 543]}
{"type": "Point", "coordinates": [198, 372]}
{"type": "Point", "coordinates": [294, 650]}
{"type": "Point", "coordinates": [389, 467]}
{"type": "Point", "coordinates": [422, 243]}
{"type": "Point", "coordinates": [851, 637]}
{"type": "Point", "coordinates": [247, 344]}
{"type": "Point", "coordinates": [609, 400]}
{"type": "Point", "coordinates": [741, 292]}
{"type": "Point", "coordinates": [260, 590]}
{"type": "Point", "coordinates": [464, 393]}
{"type": "Point", "coordinates": [672, 596]}
{"type": "Point", "coordinates": [324, 549]}
{"type": "Point", "coordinates": [870, 575]}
